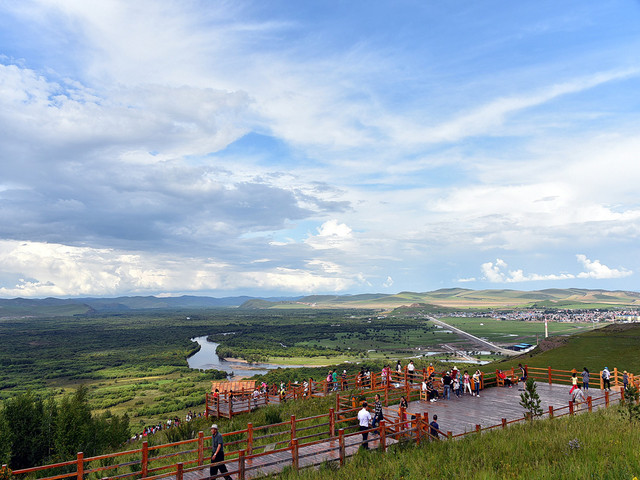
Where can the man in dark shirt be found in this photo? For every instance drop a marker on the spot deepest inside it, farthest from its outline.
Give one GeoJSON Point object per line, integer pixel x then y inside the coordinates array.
{"type": "Point", "coordinates": [377, 412]}
{"type": "Point", "coordinates": [446, 381]}
{"type": "Point", "coordinates": [217, 453]}
{"type": "Point", "coordinates": [434, 428]}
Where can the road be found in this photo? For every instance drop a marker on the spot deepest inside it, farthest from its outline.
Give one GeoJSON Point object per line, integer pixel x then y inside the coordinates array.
{"type": "Point", "coordinates": [478, 341]}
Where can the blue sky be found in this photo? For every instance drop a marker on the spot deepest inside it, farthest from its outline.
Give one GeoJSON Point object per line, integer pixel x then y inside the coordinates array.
{"type": "Point", "coordinates": [269, 148]}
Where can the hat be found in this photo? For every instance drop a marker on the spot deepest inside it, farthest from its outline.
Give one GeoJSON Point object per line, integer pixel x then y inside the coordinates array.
{"type": "Point", "coordinates": [215, 425]}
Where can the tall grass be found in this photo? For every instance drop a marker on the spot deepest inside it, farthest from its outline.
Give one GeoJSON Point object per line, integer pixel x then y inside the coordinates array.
{"type": "Point", "coordinates": [601, 445]}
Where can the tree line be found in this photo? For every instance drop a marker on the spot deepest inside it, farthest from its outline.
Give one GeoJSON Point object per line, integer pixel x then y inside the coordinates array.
{"type": "Point", "coordinates": [36, 431]}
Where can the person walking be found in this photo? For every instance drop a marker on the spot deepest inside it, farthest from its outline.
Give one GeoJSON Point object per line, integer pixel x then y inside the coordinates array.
{"type": "Point", "coordinates": [217, 453]}
{"type": "Point", "coordinates": [364, 422]}
{"type": "Point", "coordinates": [606, 379]}
{"type": "Point", "coordinates": [578, 397]}
{"type": "Point", "coordinates": [585, 379]}
{"type": "Point", "coordinates": [625, 380]}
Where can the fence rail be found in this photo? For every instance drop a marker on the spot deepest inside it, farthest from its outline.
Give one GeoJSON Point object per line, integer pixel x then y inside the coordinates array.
{"type": "Point", "coordinates": [333, 426]}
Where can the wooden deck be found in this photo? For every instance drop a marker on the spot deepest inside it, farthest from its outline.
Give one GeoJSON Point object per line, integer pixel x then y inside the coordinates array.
{"type": "Point", "coordinates": [308, 456]}
{"type": "Point", "coordinates": [460, 415]}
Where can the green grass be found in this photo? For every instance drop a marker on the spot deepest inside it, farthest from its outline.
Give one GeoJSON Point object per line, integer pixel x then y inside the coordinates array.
{"type": "Point", "coordinates": [514, 331]}
{"type": "Point", "coordinates": [601, 445]}
{"type": "Point", "coordinates": [612, 346]}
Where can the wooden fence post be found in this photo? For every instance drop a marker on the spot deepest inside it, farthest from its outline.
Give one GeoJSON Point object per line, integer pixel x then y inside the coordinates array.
{"type": "Point", "coordinates": [481, 380]}
{"type": "Point", "coordinates": [589, 403]}
{"type": "Point", "coordinates": [332, 422]}
{"type": "Point", "coordinates": [606, 398]}
{"type": "Point", "coordinates": [293, 427]}
{"type": "Point", "coordinates": [341, 448]}
{"type": "Point", "coordinates": [200, 448]}
{"type": "Point", "coordinates": [80, 466]}
{"type": "Point", "coordinates": [179, 471]}
{"type": "Point", "coordinates": [249, 438]}
{"type": "Point", "coordinates": [550, 411]}
{"type": "Point", "coordinates": [294, 454]}
{"type": "Point", "coordinates": [382, 434]}
{"type": "Point", "coordinates": [418, 426]}
{"type": "Point", "coordinates": [241, 464]}
{"type": "Point", "coordinates": [386, 392]}
{"type": "Point", "coordinates": [478, 428]}
{"type": "Point", "coordinates": [549, 373]}
{"type": "Point", "coordinates": [601, 381]}
{"type": "Point", "coordinates": [504, 423]}
{"type": "Point", "coordinates": [145, 459]}
{"type": "Point", "coordinates": [570, 407]}
{"type": "Point", "coordinates": [449, 435]}
{"type": "Point", "coordinates": [615, 376]}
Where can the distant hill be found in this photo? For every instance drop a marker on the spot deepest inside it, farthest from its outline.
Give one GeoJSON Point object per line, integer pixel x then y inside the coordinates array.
{"type": "Point", "coordinates": [453, 298]}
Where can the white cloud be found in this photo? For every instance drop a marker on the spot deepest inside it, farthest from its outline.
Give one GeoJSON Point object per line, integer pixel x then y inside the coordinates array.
{"type": "Point", "coordinates": [388, 282]}
{"type": "Point", "coordinates": [595, 269]}
{"type": "Point", "coordinates": [498, 272]}
{"type": "Point", "coordinates": [43, 269]}
{"type": "Point", "coordinates": [331, 234]}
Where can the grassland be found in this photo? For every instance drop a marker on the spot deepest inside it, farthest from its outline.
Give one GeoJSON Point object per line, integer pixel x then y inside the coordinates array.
{"type": "Point", "coordinates": [603, 445]}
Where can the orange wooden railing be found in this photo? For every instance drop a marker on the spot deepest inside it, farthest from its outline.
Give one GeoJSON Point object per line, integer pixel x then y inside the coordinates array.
{"type": "Point", "coordinates": [291, 435]}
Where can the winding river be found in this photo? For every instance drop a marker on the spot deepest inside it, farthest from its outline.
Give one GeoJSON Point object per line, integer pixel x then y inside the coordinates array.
{"type": "Point", "coordinates": [206, 359]}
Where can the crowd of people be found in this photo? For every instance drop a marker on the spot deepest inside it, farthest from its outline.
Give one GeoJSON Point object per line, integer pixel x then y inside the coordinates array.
{"type": "Point", "coordinates": [170, 423]}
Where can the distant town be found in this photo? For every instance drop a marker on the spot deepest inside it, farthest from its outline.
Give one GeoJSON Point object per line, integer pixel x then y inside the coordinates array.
{"type": "Point", "coordinates": [587, 316]}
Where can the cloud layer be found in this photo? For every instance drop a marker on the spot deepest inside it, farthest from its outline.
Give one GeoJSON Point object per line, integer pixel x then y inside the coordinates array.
{"type": "Point", "coordinates": [225, 148]}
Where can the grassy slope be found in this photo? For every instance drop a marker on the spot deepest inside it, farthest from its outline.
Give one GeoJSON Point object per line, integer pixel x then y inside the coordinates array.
{"type": "Point", "coordinates": [612, 346]}
{"type": "Point", "coordinates": [608, 446]}
{"type": "Point", "coordinates": [608, 443]}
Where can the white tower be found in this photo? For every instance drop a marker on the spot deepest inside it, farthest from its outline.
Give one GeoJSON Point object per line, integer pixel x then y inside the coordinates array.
{"type": "Point", "coordinates": [546, 328]}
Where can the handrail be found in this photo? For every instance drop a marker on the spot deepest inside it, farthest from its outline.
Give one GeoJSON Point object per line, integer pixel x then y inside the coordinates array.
{"type": "Point", "coordinates": [335, 417]}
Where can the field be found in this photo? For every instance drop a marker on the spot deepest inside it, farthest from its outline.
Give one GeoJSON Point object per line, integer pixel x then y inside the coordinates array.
{"type": "Point", "coordinates": [508, 331]}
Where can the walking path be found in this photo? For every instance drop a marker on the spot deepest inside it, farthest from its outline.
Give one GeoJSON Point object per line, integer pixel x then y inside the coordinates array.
{"type": "Point", "coordinates": [480, 341]}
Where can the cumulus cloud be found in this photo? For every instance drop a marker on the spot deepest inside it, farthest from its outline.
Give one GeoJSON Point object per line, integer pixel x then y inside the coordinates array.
{"type": "Point", "coordinates": [595, 269]}
{"type": "Point", "coordinates": [388, 282]}
{"type": "Point", "coordinates": [331, 235]}
{"type": "Point", "coordinates": [34, 269]}
{"type": "Point", "coordinates": [498, 272]}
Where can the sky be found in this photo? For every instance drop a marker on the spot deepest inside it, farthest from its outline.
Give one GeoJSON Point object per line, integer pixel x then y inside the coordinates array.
{"type": "Point", "coordinates": [278, 148]}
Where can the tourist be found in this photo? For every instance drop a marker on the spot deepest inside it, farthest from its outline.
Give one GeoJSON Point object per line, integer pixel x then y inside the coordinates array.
{"type": "Point", "coordinates": [367, 378]}
{"type": "Point", "coordinates": [343, 380]}
{"type": "Point", "coordinates": [585, 379]}
{"type": "Point", "coordinates": [577, 397]}
{"type": "Point", "coordinates": [431, 370]}
{"type": "Point", "coordinates": [574, 381]}
{"type": "Point", "coordinates": [606, 379]}
{"type": "Point", "coordinates": [476, 383]}
{"type": "Point", "coordinates": [334, 379]}
{"type": "Point", "coordinates": [523, 373]}
{"type": "Point", "coordinates": [505, 380]}
{"type": "Point", "coordinates": [399, 368]}
{"type": "Point", "coordinates": [217, 453]}
{"type": "Point", "coordinates": [411, 368]}
{"type": "Point", "coordinates": [455, 372]}
{"type": "Point", "coordinates": [377, 412]}
{"type": "Point", "coordinates": [456, 387]}
{"type": "Point", "coordinates": [625, 380]}
{"type": "Point", "coordinates": [433, 431]}
{"type": "Point", "coordinates": [432, 392]}
{"type": "Point", "coordinates": [329, 381]}
{"type": "Point", "coordinates": [364, 421]}
{"type": "Point", "coordinates": [466, 382]}
{"type": "Point", "coordinates": [446, 382]}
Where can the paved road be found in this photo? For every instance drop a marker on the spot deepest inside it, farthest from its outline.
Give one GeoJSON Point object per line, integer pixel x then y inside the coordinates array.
{"type": "Point", "coordinates": [488, 345]}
